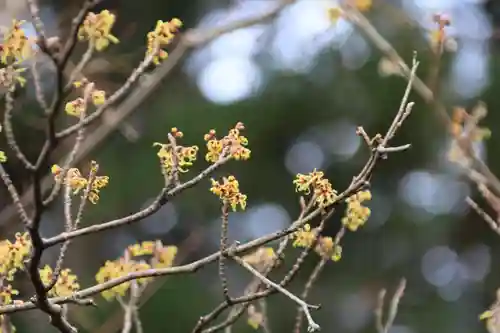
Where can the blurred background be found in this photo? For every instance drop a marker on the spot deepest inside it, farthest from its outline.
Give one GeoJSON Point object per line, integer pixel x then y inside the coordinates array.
{"type": "Point", "coordinates": [301, 86]}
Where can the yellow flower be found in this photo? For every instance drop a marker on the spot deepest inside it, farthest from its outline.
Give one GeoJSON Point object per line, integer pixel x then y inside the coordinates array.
{"type": "Point", "coordinates": [77, 183]}
{"type": "Point", "coordinates": [175, 131]}
{"type": "Point", "coordinates": [262, 258]}
{"type": "Point", "coordinates": [214, 148]}
{"type": "Point", "coordinates": [304, 237]}
{"type": "Point", "coordinates": [327, 249]}
{"type": "Point", "coordinates": [255, 318]}
{"type": "Point", "coordinates": [16, 45]}
{"type": "Point", "coordinates": [357, 214]}
{"type": "Point", "coordinates": [334, 14]}
{"type": "Point", "coordinates": [98, 97]}
{"type": "Point", "coordinates": [485, 315]}
{"type": "Point", "coordinates": [162, 35]}
{"type": "Point", "coordinates": [66, 283]}
{"type": "Point", "coordinates": [13, 255]}
{"type": "Point", "coordinates": [165, 256]}
{"type": "Point", "coordinates": [233, 142]}
{"type": "Point", "coordinates": [112, 270]}
{"type": "Point", "coordinates": [229, 191]}
{"type": "Point", "coordinates": [6, 293]}
{"type": "Point", "coordinates": [96, 28]}
{"type": "Point", "coordinates": [184, 156]}
{"type": "Point", "coordinates": [303, 183]}
{"type": "Point", "coordinates": [363, 5]}
{"type": "Point", "coordinates": [75, 107]}
{"type": "Point", "coordinates": [159, 257]}
{"type": "Point", "coordinates": [324, 193]}
{"type": "Point", "coordinates": [146, 248]}
{"type": "Point", "coordinates": [3, 157]}
{"type": "Point", "coordinates": [98, 183]}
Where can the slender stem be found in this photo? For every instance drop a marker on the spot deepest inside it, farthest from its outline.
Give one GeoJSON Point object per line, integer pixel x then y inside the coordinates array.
{"type": "Point", "coordinates": [305, 307]}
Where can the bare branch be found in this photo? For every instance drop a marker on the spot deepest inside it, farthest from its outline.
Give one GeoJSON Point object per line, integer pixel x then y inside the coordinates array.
{"type": "Point", "coordinates": [160, 200]}
{"type": "Point", "coordinates": [223, 248]}
{"type": "Point", "coordinates": [37, 22]}
{"type": "Point", "coordinates": [493, 224]}
{"type": "Point", "coordinates": [14, 195]}
{"type": "Point", "coordinates": [393, 308]}
{"type": "Point", "coordinates": [40, 97]}
{"type": "Point", "coordinates": [9, 131]}
{"type": "Point", "coordinates": [305, 307]}
{"type": "Point", "coordinates": [188, 268]}
{"type": "Point", "coordinates": [312, 279]}
{"type": "Point", "coordinates": [356, 17]}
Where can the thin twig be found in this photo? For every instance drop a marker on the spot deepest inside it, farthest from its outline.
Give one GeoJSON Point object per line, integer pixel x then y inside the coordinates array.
{"type": "Point", "coordinates": [164, 196]}
{"type": "Point", "coordinates": [188, 268]}
{"type": "Point", "coordinates": [69, 161]}
{"type": "Point", "coordinates": [14, 195]}
{"type": "Point", "coordinates": [312, 279]}
{"type": "Point", "coordinates": [130, 317]}
{"type": "Point", "coordinates": [493, 224]}
{"type": "Point", "coordinates": [77, 71]}
{"type": "Point", "coordinates": [175, 163]}
{"type": "Point", "coordinates": [252, 290]}
{"type": "Point", "coordinates": [223, 248]}
{"type": "Point", "coordinates": [40, 97]}
{"type": "Point", "coordinates": [9, 131]}
{"type": "Point", "coordinates": [393, 308]}
{"type": "Point", "coordinates": [71, 225]}
{"type": "Point", "coordinates": [305, 307]}
{"type": "Point", "coordinates": [37, 22]}
{"type": "Point", "coordinates": [190, 39]}
{"type": "Point", "coordinates": [356, 17]}
{"type": "Point", "coordinates": [55, 312]}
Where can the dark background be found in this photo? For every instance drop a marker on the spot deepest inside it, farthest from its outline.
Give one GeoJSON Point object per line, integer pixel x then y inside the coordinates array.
{"type": "Point", "coordinates": [301, 87]}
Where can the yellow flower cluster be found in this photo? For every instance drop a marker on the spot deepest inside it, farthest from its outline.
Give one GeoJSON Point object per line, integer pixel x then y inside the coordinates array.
{"type": "Point", "coordinates": [10, 76]}
{"type": "Point", "coordinates": [255, 318]}
{"type": "Point", "coordinates": [96, 28]}
{"type": "Point", "coordinates": [75, 107]}
{"type": "Point", "coordinates": [465, 125]}
{"type": "Point", "coordinates": [356, 213]}
{"type": "Point", "coordinates": [229, 191]}
{"type": "Point", "coordinates": [12, 257]}
{"type": "Point", "coordinates": [16, 46]}
{"type": "Point", "coordinates": [304, 237]}
{"type": "Point", "coordinates": [460, 116]}
{"type": "Point", "coordinates": [262, 258]}
{"type": "Point", "coordinates": [182, 156]}
{"type": "Point", "coordinates": [335, 13]}
{"type": "Point", "coordinates": [6, 293]}
{"type": "Point", "coordinates": [162, 35]}
{"type": "Point", "coordinates": [492, 315]}
{"type": "Point", "coordinates": [66, 283]}
{"type": "Point", "coordinates": [323, 192]}
{"type": "Point", "coordinates": [78, 105]}
{"type": "Point", "coordinates": [234, 142]}
{"type": "Point", "coordinates": [325, 247]}
{"type": "Point", "coordinates": [77, 182]}
{"type": "Point", "coordinates": [160, 257]}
